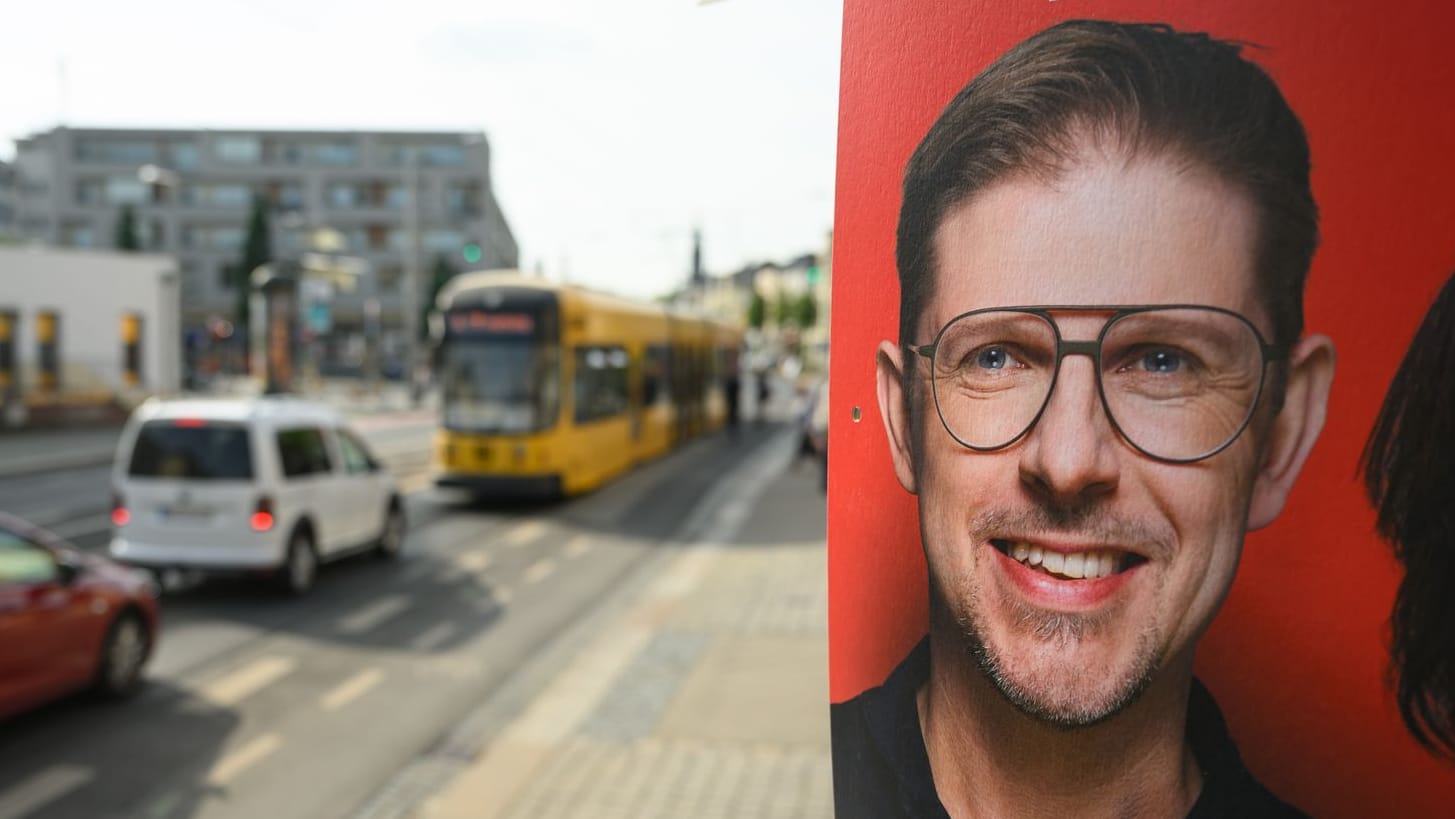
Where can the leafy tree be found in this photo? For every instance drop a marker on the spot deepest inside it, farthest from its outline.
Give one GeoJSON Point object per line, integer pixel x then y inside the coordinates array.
{"type": "Point", "coordinates": [807, 311]}
{"type": "Point", "coordinates": [126, 238]}
{"type": "Point", "coordinates": [257, 250]}
{"type": "Point", "coordinates": [757, 310]}
{"type": "Point", "coordinates": [440, 274]}
{"type": "Point", "coordinates": [787, 312]}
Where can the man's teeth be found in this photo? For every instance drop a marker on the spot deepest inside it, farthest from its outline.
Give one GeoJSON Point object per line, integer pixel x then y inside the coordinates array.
{"type": "Point", "coordinates": [1091, 564]}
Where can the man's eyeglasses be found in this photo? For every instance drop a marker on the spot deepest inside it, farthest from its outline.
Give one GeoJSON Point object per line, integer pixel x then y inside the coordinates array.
{"type": "Point", "coordinates": [1178, 382]}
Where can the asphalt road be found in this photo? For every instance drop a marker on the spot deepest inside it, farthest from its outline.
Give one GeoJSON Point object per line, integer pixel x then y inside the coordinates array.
{"type": "Point", "coordinates": [260, 705]}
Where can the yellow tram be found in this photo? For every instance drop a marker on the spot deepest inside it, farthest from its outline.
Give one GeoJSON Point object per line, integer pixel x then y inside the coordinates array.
{"type": "Point", "coordinates": [551, 389]}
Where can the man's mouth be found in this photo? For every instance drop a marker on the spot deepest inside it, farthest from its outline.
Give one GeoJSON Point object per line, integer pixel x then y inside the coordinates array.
{"type": "Point", "coordinates": [1084, 565]}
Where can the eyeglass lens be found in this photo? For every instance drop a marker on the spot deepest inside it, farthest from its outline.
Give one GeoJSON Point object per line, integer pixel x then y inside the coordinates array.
{"type": "Point", "coordinates": [1178, 383]}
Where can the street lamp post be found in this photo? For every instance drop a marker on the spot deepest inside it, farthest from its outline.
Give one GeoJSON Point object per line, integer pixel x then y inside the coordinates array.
{"type": "Point", "coordinates": [409, 297]}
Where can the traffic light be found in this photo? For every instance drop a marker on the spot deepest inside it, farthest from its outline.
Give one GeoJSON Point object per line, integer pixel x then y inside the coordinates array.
{"type": "Point", "coordinates": [471, 253]}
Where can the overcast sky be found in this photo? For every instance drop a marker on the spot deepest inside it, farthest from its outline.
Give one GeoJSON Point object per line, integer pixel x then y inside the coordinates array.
{"type": "Point", "coordinates": [616, 125]}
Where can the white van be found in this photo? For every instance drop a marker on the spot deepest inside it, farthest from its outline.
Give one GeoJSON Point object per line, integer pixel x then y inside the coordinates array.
{"type": "Point", "coordinates": [277, 484]}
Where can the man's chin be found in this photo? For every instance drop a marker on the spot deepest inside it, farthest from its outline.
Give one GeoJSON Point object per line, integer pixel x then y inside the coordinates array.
{"type": "Point", "coordinates": [1066, 692]}
{"type": "Point", "coordinates": [1068, 710]}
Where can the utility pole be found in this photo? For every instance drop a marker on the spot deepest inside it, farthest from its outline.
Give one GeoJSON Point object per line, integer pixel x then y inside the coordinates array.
{"type": "Point", "coordinates": [409, 300]}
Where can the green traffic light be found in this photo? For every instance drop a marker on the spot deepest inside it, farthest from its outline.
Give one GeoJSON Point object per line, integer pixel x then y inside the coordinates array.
{"type": "Point", "coordinates": [471, 253]}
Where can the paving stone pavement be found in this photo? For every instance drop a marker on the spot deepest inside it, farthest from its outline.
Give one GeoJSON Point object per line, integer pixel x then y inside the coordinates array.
{"type": "Point", "coordinates": [707, 699]}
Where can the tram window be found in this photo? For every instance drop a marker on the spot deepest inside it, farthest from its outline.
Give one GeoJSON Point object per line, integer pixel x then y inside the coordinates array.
{"type": "Point", "coordinates": [601, 382]}
{"type": "Point", "coordinates": [655, 384]}
{"type": "Point", "coordinates": [499, 385]}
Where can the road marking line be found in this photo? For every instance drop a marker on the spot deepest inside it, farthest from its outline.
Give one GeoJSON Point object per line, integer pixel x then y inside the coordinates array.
{"type": "Point", "coordinates": [351, 689]}
{"type": "Point", "coordinates": [43, 788]}
{"type": "Point", "coordinates": [434, 637]}
{"type": "Point", "coordinates": [540, 570]}
{"type": "Point", "coordinates": [415, 484]}
{"type": "Point", "coordinates": [371, 616]}
{"type": "Point", "coordinates": [524, 533]}
{"type": "Point", "coordinates": [251, 753]}
{"type": "Point", "coordinates": [579, 545]}
{"type": "Point", "coordinates": [473, 561]}
{"type": "Point", "coordinates": [242, 683]}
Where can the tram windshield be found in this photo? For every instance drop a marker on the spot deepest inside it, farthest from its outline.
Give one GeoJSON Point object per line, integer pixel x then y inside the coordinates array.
{"type": "Point", "coordinates": [499, 385]}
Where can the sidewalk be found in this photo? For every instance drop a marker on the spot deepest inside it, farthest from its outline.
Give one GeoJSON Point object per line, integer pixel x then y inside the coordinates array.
{"type": "Point", "coordinates": [705, 695]}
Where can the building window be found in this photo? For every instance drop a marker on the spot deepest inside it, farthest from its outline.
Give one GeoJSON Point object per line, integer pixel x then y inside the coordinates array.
{"type": "Point", "coordinates": [127, 190]}
{"type": "Point", "coordinates": [463, 199]}
{"type": "Point", "coordinates": [119, 151]}
{"type": "Point", "coordinates": [290, 196]}
{"type": "Point", "coordinates": [443, 156]}
{"type": "Point", "coordinates": [227, 195]}
{"type": "Point", "coordinates": [241, 150]}
{"type": "Point", "coordinates": [335, 153]}
{"type": "Point", "coordinates": [343, 196]}
{"type": "Point", "coordinates": [380, 237]}
{"type": "Point", "coordinates": [443, 241]}
{"type": "Point", "coordinates": [396, 197]}
{"type": "Point", "coordinates": [212, 237]}
{"type": "Point", "coordinates": [182, 156]}
{"type": "Point", "coordinates": [89, 191]}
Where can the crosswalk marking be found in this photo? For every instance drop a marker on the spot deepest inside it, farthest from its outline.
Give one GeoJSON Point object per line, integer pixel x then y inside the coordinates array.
{"type": "Point", "coordinates": [249, 754]}
{"type": "Point", "coordinates": [578, 545]}
{"type": "Point", "coordinates": [233, 688]}
{"type": "Point", "coordinates": [473, 561]}
{"type": "Point", "coordinates": [373, 615]}
{"type": "Point", "coordinates": [525, 533]}
{"type": "Point", "coordinates": [43, 788]}
{"type": "Point", "coordinates": [351, 689]}
{"type": "Point", "coordinates": [539, 571]}
{"type": "Point", "coordinates": [435, 636]}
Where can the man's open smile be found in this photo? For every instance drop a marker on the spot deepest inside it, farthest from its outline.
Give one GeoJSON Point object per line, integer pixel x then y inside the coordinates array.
{"type": "Point", "coordinates": [1088, 564]}
{"type": "Point", "coordinates": [1065, 576]}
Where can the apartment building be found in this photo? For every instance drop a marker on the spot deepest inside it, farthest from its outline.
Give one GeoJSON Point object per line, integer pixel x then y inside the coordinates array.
{"type": "Point", "coordinates": [70, 185]}
{"type": "Point", "coordinates": [7, 201]}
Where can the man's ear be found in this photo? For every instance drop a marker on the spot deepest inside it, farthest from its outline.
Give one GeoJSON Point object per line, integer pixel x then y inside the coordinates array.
{"type": "Point", "coordinates": [889, 373]}
{"type": "Point", "coordinates": [1294, 429]}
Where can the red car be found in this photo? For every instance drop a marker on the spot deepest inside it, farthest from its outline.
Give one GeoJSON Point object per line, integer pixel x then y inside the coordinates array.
{"type": "Point", "coordinates": [68, 620]}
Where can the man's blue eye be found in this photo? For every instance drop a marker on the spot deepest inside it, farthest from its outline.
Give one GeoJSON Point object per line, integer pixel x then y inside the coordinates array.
{"type": "Point", "coordinates": [992, 358]}
{"type": "Point", "coordinates": [1162, 361]}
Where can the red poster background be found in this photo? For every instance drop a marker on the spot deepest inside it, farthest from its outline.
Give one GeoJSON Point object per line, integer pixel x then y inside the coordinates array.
{"type": "Point", "coordinates": [1298, 655]}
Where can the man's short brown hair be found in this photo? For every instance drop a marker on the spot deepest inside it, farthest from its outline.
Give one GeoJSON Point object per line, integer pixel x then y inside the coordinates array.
{"type": "Point", "coordinates": [1139, 87]}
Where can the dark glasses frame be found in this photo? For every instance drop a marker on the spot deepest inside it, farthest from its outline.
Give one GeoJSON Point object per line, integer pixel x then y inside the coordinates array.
{"type": "Point", "coordinates": [1092, 349]}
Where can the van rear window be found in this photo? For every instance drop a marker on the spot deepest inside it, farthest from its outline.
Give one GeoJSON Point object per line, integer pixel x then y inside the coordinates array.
{"type": "Point", "coordinates": [166, 449]}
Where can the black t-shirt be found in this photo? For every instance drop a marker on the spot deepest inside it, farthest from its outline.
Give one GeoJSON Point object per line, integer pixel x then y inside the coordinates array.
{"type": "Point", "coordinates": [881, 769]}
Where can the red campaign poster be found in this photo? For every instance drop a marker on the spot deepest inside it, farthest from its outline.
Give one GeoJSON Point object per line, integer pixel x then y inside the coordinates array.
{"type": "Point", "coordinates": [1297, 655]}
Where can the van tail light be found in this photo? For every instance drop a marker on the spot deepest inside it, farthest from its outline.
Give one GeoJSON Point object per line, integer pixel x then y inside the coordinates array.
{"type": "Point", "coordinates": [120, 515]}
{"type": "Point", "coordinates": [262, 519]}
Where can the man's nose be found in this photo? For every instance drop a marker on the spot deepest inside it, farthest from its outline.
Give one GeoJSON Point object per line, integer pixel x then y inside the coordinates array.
{"type": "Point", "coordinates": [1071, 455]}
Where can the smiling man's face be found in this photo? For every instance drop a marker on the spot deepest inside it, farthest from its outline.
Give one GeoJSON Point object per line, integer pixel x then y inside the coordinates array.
{"type": "Point", "coordinates": [1149, 230]}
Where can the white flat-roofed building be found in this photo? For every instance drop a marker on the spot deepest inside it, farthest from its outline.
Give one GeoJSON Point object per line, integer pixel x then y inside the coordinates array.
{"type": "Point", "coordinates": [92, 294]}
